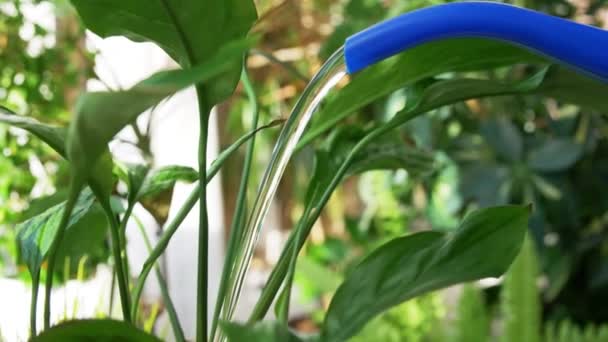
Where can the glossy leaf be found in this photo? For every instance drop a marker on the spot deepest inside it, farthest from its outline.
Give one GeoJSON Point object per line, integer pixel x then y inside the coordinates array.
{"type": "Point", "coordinates": [263, 331]}
{"type": "Point", "coordinates": [101, 115]}
{"type": "Point", "coordinates": [409, 266]}
{"type": "Point", "coordinates": [36, 235]}
{"type": "Point", "coordinates": [103, 330]}
{"type": "Point", "coordinates": [555, 155]}
{"type": "Point", "coordinates": [189, 31]}
{"type": "Point", "coordinates": [429, 60]}
{"type": "Point", "coordinates": [410, 67]}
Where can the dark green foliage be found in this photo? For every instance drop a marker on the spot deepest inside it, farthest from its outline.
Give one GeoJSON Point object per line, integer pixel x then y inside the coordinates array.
{"type": "Point", "coordinates": [94, 331]}
{"type": "Point", "coordinates": [409, 266]}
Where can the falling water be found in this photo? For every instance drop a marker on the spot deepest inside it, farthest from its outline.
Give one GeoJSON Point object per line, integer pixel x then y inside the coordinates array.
{"type": "Point", "coordinates": [332, 72]}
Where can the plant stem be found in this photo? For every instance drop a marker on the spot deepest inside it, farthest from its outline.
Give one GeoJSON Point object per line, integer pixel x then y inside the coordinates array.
{"type": "Point", "coordinates": [283, 311]}
{"type": "Point", "coordinates": [203, 231]}
{"type": "Point", "coordinates": [237, 225]}
{"type": "Point", "coordinates": [276, 278]}
{"type": "Point", "coordinates": [162, 245]}
{"type": "Point", "coordinates": [172, 227]}
{"type": "Point", "coordinates": [123, 287]}
{"type": "Point", "coordinates": [52, 259]}
{"type": "Point", "coordinates": [34, 303]}
{"type": "Point", "coordinates": [178, 332]}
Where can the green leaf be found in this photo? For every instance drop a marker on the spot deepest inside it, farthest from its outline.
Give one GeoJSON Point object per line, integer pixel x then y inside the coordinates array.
{"type": "Point", "coordinates": [165, 178]}
{"type": "Point", "coordinates": [189, 31]}
{"type": "Point", "coordinates": [103, 330]}
{"type": "Point", "coordinates": [410, 266]}
{"type": "Point", "coordinates": [520, 305]}
{"type": "Point", "coordinates": [263, 331]}
{"type": "Point", "coordinates": [87, 237]}
{"type": "Point", "coordinates": [504, 138]}
{"type": "Point", "coordinates": [555, 155]}
{"type": "Point", "coordinates": [36, 234]}
{"type": "Point", "coordinates": [54, 136]}
{"type": "Point", "coordinates": [101, 115]}
{"type": "Point", "coordinates": [410, 67]}
{"type": "Point", "coordinates": [387, 152]}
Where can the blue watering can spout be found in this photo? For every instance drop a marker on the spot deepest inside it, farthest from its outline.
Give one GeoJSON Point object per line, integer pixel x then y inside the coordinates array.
{"type": "Point", "coordinates": [583, 47]}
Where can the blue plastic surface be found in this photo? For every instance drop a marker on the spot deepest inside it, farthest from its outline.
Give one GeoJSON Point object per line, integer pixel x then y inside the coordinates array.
{"type": "Point", "coordinates": [581, 46]}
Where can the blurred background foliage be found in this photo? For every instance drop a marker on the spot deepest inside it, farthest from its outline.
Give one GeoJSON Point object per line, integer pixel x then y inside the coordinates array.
{"type": "Point", "coordinates": [487, 152]}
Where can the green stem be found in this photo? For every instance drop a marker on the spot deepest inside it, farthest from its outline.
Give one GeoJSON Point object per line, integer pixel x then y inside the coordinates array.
{"type": "Point", "coordinates": [278, 274]}
{"type": "Point", "coordinates": [283, 314]}
{"type": "Point", "coordinates": [123, 287]}
{"type": "Point", "coordinates": [184, 211]}
{"type": "Point", "coordinates": [34, 303]}
{"type": "Point", "coordinates": [236, 228]}
{"type": "Point", "coordinates": [122, 229]}
{"type": "Point", "coordinates": [162, 245]}
{"type": "Point", "coordinates": [53, 250]}
{"type": "Point", "coordinates": [178, 332]}
{"type": "Point", "coordinates": [203, 231]}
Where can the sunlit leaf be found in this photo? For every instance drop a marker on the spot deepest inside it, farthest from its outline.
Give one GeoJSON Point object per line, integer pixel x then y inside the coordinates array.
{"type": "Point", "coordinates": [190, 31]}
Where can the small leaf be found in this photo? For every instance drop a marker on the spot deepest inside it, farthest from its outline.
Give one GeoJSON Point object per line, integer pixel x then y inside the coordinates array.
{"type": "Point", "coordinates": [504, 138]}
{"type": "Point", "coordinates": [103, 330]}
{"type": "Point", "coordinates": [36, 235]}
{"type": "Point", "coordinates": [263, 331]}
{"type": "Point", "coordinates": [101, 115]}
{"type": "Point", "coordinates": [484, 246]}
{"type": "Point", "coordinates": [54, 136]}
{"type": "Point", "coordinates": [165, 178]}
{"type": "Point", "coordinates": [555, 155]}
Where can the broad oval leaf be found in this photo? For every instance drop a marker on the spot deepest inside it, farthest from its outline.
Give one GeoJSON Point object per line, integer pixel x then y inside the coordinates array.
{"type": "Point", "coordinates": [483, 246]}
{"type": "Point", "coordinates": [102, 330]}
{"type": "Point", "coordinates": [36, 235]}
{"type": "Point", "coordinates": [189, 31]}
{"type": "Point", "coordinates": [555, 155]}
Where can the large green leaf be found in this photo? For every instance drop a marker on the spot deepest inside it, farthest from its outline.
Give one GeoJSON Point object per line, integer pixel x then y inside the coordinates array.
{"type": "Point", "coordinates": [440, 57]}
{"type": "Point", "coordinates": [190, 31]}
{"type": "Point", "coordinates": [101, 115]}
{"type": "Point", "coordinates": [103, 330]}
{"type": "Point", "coordinates": [263, 331]}
{"type": "Point", "coordinates": [36, 235]}
{"type": "Point", "coordinates": [555, 155]}
{"type": "Point", "coordinates": [484, 246]}
{"type": "Point", "coordinates": [411, 66]}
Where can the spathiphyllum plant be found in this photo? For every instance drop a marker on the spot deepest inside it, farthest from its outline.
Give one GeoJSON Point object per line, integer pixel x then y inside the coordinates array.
{"type": "Point", "coordinates": [211, 40]}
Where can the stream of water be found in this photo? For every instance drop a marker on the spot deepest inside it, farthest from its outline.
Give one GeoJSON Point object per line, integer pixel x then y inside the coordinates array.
{"type": "Point", "coordinates": [328, 77]}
